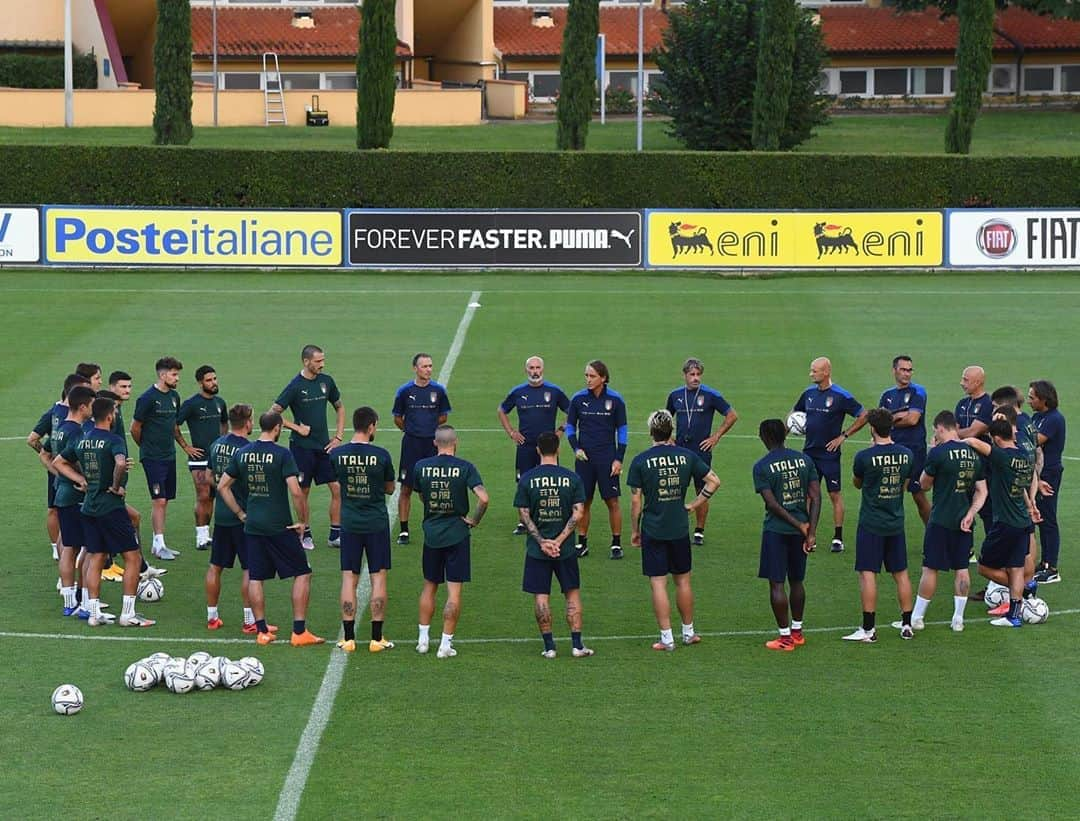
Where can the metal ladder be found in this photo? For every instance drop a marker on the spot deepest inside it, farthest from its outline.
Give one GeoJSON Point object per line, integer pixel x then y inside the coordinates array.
{"type": "Point", "coordinates": [273, 98]}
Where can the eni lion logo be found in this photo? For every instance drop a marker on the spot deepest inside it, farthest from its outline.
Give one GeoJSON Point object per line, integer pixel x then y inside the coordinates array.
{"type": "Point", "coordinates": [686, 238]}
{"type": "Point", "coordinates": [831, 238]}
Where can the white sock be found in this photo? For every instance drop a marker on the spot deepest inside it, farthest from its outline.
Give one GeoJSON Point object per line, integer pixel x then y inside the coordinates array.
{"type": "Point", "coordinates": [159, 541]}
{"type": "Point", "coordinates": [425, 632]}
{"type": "Point", "coordinates": [249, 617]}
{"type": "Point", "coordinates": [920, 608]}
{"type": "Point", "coordinates": [129, 606]}
{"type": "Point", "coordinates": [666, 637]}
{"type": "Point", "coordinates": [688, 629]}
{"type": "Point", "coordinates": [958, 605]}
{"type": "Point", "coordinates": [69, 595]}
{"type": "Point", "coordinates": [202, 534]}
{"type": "Point", "coordinates": [55, 555]}
{"type": "Point", "coordinates": [785, 631]}
{"type": "Point", "coordinates": [446, 639]}
{"type": "Point", "coordinates": [93, 607]}
{"type": "Point", "coordinates": [796, 625]}
{"type": "Point", "coordinates": [211, 613]}
{"type": "Point", "coordinates": [86, 600]}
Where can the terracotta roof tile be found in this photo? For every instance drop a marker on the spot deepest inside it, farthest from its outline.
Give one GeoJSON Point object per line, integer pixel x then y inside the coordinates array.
{"type": "Point", "coordinates": [250, 31]}
{"type": "Point", "coordinates": [516, 36]}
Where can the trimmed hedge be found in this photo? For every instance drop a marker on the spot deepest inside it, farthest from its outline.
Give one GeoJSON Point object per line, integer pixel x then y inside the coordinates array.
{"type": "Point", "coordinates": [389, 179]}
{"type": "Point", "coordinates": [46, 70]}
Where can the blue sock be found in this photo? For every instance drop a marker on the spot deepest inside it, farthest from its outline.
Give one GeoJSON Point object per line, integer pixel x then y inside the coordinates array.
{"type": "Point", "coordinates": [260, 625]}
{"type": "Point", "coordinates": [576, 639]}
{"type": "Point", "coordinates": [1014, 609]}
{"type": "Point", "coordinates": [298, 626]}
{"type": "Point", "coordinates": [549, 641]}
{"type": "Point", "coordinates": [335, 532]}
{"type": "Point", "coordinates": [1030, 589]}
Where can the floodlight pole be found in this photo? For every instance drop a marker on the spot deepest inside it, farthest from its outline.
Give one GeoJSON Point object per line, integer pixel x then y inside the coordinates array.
{"type": "Point", "coordinates": [213, 35]}
{"type": "Point", "coordinates": [640, 67]}
{"type": "Point", "coordinates": [69, 70]}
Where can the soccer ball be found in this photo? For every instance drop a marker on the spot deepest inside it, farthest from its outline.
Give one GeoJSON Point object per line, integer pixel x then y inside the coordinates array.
{"type": "Point", "coordinates": [208, 676]}
{"type": "Point", "coordinates": [198, 659]}
{"type": "Point", "coordinates": [67, 699]}
{"type": "Point", "coordinates": [796, 423]}
{"type": "Point", "coordinates": [996, 594]}
{"type": "Point", "coordinates": [221, 661]}
{"type": "Point", "coordinates": [255, 669]}
{"type": "Point", "coordinates": [234, 676]}
{"type": "Point", "coordinates": [179, 680]}
{"type": "Point", "coordinates": [140, 677]}
{"type": "Point", "coordinates": [157, 663]}
{"type": "Point", "coordinates": [1034, 610]}
{"type": "Point", "coordinates": [151, 590]}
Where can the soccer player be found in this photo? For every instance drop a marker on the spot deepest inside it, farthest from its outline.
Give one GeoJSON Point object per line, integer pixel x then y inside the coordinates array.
{"type": "Point", "coordinates": [92, 372]}
{"type": "Point", "coordinates": [788, 483]}
{"type": "Point", "coordinates": [550, 499]}
{"type": "Point", "coordinates": [120, 384]}
{"type": "Point", "coordinates": [365, 472]}
{"type": "Point", "coordinates": [420, 406]}
{"type": "Point", "coordinates": [825, 405]}
{"type": "Point", "coordinates": [882, 472]}
{"type": "Point", "coordinates": [69, 498]}
{"type": "Point", "coordinates": [229, 543]}
{"type": "Point", "coordinates": [154, 431]}
{"type": "Point", "coordinates": [538, 404]}
{"type": "Point", "coordinates": [1006, 546]}
{"type": "Point", "coordinates": [596, 430]}
{"type": "Point", "coordinates": [693, 406]}
{"type": "Point", "coordinates": [97, 463]}
{"type": "Point", "coordinates": [659, 479]}
{"type": "Point", "coordinates": [307, 396]}
{"type": "Point", "coordinates": [954, 471]}
{"type": "Point", "coordinates": [270, 476]}
{"type": "Point", "coordinates": [443, 482]}
{"type": "Point", "coordinates": [1050, 431]}
{"type": "Point", "coordinates": [907, 404]}
{"type": "Point", "coordinates": [207, 418]}
{"type": "Point", "coordinates": [973, 414]}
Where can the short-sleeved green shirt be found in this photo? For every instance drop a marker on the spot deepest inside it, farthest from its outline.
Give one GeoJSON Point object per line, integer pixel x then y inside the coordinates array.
{"type": "Point", "coordinates": [263, 467]}
{"type": "Point", "coordinates": [550, 493]}
{"type": "Point", "coordinates": [884, 470]}
{"type": "Point", "coordinates": [363, 469]}
{"type": "Point", "coordinates": [157, 411]}
{"type": "Point", "coordinates": [307, 400]}
{"type": "Point", "coordinates": [1010, 477]}
{"type": "Point", "coordinates": [664, 473]}
{"type": "Point", "coordinates": [788, 474]}
{"type": "Point", "coordinates": [219, 455]}
{"type": "Point", "coordinates": [96, 451]}
{"type": "Point", "coordinates": [204, 418]}
{"type": "Point", "coordinates": [444, 482]}
{"type": "Point", "coordinates": [64, 439]}
{"type": "Point", "coordinates": [956, 467]}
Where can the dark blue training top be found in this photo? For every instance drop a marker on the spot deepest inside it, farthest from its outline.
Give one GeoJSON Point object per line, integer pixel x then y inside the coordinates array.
{"type": "Point", "coordinates": [421, 407]}
{"type": "Point", "coordinates": [537, 408]}
{"type": "Point", "coordinates": [693, 412]}
{"type": "Point", "coordinates": [825, 411]}
{"type": "Point", "coordinates": [913, 397]}
{"type": "Point", "coordinates": [597, 423]}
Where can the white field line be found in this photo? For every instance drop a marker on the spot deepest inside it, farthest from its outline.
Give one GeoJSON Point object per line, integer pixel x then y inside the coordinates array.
{"type": "Point", "coordinates": [720, 634]}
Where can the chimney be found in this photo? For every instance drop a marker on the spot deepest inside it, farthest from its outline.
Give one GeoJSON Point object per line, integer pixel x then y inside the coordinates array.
{"type": "Point", "coordinates": [542, 19]}
{"type": "Point", "coordinates": [303, 19]}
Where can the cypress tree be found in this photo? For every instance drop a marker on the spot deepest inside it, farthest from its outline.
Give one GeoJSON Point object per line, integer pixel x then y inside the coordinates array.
{"type": "Point", "coordinates": [974, 55]}
{"type": "Point", "coordinates": [578, 69]}
{"type": "Point", "coordinates": [775, 68]}
{"type": "Point", "coordinates": [375, 75]}
{"type": "Point", "coordinates": [172, 73]}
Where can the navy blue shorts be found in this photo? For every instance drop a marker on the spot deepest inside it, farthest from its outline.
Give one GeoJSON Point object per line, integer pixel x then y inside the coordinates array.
{"type": "Point", "coordinates": [872, 550]}
{"type": "Point", "coordinates": [526, 458]}
{"type": "Point", "coordinates": [828, 468]}
{"type": "Point", "coordinates": [280, 555]}
{"type": "Point", "coordinates": [111, 533]}
{"type": "Point", "coordinates": [50, 490]}
{"type": "Point", "coordinates": [228, 544]}
{"type": "Point", "coordinates": [782, 557]}
{"type": "Point", "coordinates": [448, 564]}
{"type": "Point", "coordinates": [945, 549]}
{"type": "Point", "coordinates": [376, 545]}
{"type": "Point", "coordinates": [662, 556]}
{"type": "Point", "coordinates": [71, 526]}
{"type": "Point", "coordinates": [706, 457]}
{"type": "Point", "coordinates": [538, 573]}
{"type": "Point", "coordinates": [917, 465]}
{"type": "Point", "coordinates": [596, 473]}
{"type": "Point", "coordinates": [1004, 546]}
{"type": "Point", "coordinates": [413, 449]}
{"type": "Point", "coordinates": [313, 464]}
{"type": "Point", "coordinates": [160, 478]}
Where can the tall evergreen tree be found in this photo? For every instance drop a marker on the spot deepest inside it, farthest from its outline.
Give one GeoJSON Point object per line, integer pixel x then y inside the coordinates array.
{"type": "Point", "coordinates": [172, 73]}
{"type": "Point", "coordinates": [578, 69]}
{"type": "Point", "coordinates": [376, 84]}
{"type": "Point", "coordinates": [775, 67]}
{"type": "Point", "coordinates": [974, 56]}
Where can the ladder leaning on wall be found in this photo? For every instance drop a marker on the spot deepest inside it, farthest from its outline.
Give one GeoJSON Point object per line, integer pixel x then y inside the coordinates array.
{"type": "Point", "coordinates": [273, 98]}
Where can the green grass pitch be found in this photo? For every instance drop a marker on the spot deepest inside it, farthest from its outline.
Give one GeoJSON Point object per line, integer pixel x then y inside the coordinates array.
{"type": "Point", "coordinates": [950, 725]}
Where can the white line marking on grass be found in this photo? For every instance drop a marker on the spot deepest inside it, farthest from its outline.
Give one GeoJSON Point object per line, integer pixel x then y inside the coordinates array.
{"type": "Point", "coordinates": [293, 789]}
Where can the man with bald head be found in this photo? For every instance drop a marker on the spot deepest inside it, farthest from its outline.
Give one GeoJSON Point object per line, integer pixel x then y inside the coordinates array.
{"type": "Point", "coordinates": [973, 415]}
{"type": "Point", "coordinates": [538, 403]}
{"type": "Point", "coordinates": [825, 405]}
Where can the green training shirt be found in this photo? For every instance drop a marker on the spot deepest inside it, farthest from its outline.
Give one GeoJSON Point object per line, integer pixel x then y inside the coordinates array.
{"type": "Point", "coordinates": [96, 453]}
{"type": "Point", "coordinates": [550, 493]}
{"type": "Point", "coordinates": [1010, 477]}
{"type": "Point", "coordinates": [956, 467]}
{"type": "Point", "coordinates": [263, 467]}
{"type": "Point", "coordinates": [443, 482]}
{"type": "Point", "coordinates": [157, 411]}
{"type": "Point", "coordinates": [664, 473]}
{"type": "Point", "coordinates": [363, 469]}
{"type": "Point", "coordinates": [788, 474]}
{"type": "Point", "coordinates": [884, 470]}
{"type": "Point", "coordinates": [205, 419]}
{"type": "Point", "coordinates": [307, 400]}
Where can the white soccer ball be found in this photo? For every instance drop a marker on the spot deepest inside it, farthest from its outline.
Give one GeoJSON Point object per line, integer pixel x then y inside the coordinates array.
{"type": "Point", "coordinates": [140, 677]}
{"type": "Point", "coordinates": [1034, 610]}
{"type": "Point", "coordinates": [796, 423]}
{"type": "Point", "coordinates": [255, 669]}
{"type": "Point", "coordinates": [198, 658]}
{"type": "Point", "coordinates": [157, 662]}
{"type": "Point", "coordinates": [67, 699]}
{"type": "Point", "coordinates": [151, 590]}
{"type": "Point", "coordinates": [234, 676]}
{"type": "Point", "coordinates": [221, 661]}
{"type": "Point", "coordinates": [179, 681]}
{"type": "Point", "coordinates": [208, 676]}
{"type": "Point", "coordinates": [996, 595]}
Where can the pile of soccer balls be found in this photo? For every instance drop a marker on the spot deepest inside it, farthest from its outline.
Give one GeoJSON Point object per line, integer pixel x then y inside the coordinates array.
{"type": "Point", "coordinates": [199, 671]}
{"type": "Point", "coordinates": [1033, 610]}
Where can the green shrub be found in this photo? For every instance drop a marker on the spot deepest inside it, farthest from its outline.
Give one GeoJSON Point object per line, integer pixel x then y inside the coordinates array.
{"type": "Point", "coordinates": [46, 70]}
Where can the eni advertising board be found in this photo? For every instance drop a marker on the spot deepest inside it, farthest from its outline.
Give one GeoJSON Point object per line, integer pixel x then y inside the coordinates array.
{"type": "Point", "coordinates": [136, 236]}
{"type": "Point", "coordinates": [794, 239]}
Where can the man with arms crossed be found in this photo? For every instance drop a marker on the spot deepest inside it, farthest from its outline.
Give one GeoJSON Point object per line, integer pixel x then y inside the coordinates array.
{"type": "Point", "coordinates": [1050, 432]}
